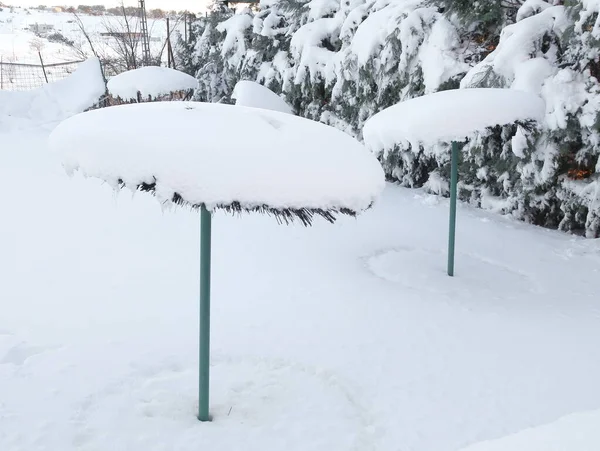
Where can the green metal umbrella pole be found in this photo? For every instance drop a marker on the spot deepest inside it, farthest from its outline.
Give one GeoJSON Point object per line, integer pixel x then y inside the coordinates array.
{"type": "Point", "coordinates": [453, 192]}
{"type": "Point", "coordinates": [204, 364]}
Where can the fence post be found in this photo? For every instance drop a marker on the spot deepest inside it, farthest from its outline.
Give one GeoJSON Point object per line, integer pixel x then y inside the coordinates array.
{"type": "Point", "coordinates": [168, 43]}
{"type": "Point", "coordinates": [43, 67]}
{"type": "Point", "coordinates": [170, 57]}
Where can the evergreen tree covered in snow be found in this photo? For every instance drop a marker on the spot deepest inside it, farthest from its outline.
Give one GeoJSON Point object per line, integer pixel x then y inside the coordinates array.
{"type": "Point", "coordinates": [341, 61]}
{"type": "Point", "coordinates": [203, 56]}
{"type": "Point", "coordinates": [487, 12]}
{"type": "Point", "coordinates": [547, 51]}
{"type": "Point", "coordinates": [268, 58]}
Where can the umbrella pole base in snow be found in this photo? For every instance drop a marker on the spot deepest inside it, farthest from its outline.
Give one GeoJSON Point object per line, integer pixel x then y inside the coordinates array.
{"type": "Point", "coordinates": [453, 195]}
{"type": "Point", "coordinates": [204, 352]}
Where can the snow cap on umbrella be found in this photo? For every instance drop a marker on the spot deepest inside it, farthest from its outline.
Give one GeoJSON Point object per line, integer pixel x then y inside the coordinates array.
{"type": "Point", "coordinates": [150, 81]}
{"type": "Point", "coordinates": [449, 116]}
{"type": "Point", "coordinates": [224, 157]}
{"type": "Point", "coordinates": [252, 94]}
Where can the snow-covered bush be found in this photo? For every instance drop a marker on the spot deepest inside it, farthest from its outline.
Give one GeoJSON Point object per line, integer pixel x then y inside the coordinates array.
{"type": "Point", "coordinates": [341, 61]}
{"type": "Point", "coordinates": [553, 179]}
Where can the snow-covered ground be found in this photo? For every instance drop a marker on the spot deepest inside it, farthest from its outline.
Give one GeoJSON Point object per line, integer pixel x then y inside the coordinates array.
{"type": "Point", "coordinates": [336, 337]}
{"type": "Point", "coordinates": [578, 431]}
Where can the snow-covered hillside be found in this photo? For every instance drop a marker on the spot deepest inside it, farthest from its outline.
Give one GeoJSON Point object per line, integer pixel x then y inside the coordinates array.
{"type": "Point", "coordinates": [19, 43]}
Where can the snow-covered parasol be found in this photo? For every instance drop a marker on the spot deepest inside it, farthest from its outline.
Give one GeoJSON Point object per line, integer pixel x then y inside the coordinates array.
{"type": "Point", "coordinates": [214, 156]}
{"type": "Point", "coordinates": [252, 94]}
{"type": "Point", "coordinates": [150, 83]}
{"type": "Point", "coordinates": [449, 116]}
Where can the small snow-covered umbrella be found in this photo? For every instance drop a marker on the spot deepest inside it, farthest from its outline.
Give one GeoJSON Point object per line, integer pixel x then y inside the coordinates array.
{"type": "Point", "coordinates": [150, 83]}
{"type": "Point", "coordinates": [214, 156]}
{"type": "Point", "coordinates": [449, 116]}
{"type": "Point", "coordinates": [252, 94]}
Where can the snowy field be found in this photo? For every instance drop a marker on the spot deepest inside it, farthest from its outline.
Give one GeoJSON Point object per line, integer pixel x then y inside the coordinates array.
{"type": "Point", "coordinates": [19, 44]}
{"type": "Point", "coordinates": [16, 39]}
{"type": "Point", "coordinates": [330, 338]}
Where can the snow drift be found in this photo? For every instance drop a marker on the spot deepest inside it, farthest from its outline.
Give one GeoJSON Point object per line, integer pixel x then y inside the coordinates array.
{"type": "Point", "coordinates": [574, 432]}
{"type": "Point", "coordinates": [55, 101]}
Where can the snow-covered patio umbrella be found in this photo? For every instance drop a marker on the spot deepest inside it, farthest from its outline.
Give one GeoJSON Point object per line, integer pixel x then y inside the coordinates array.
{"type": "Point", "coordinates": [250, 93]}
{"type": "Point", "coordinates": [214, 156]}
{"type": "Point", "coordinates": [449, 116]}
{"type": "Point", "coordinates": [150, 83]}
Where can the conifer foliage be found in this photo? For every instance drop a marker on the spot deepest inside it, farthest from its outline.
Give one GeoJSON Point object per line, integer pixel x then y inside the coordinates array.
{"type": "Point", "coordinates": [341, 61]}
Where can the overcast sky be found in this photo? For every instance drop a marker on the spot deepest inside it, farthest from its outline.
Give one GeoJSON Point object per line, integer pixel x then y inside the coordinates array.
{"type": "Point", "coordinates": [190, 5]}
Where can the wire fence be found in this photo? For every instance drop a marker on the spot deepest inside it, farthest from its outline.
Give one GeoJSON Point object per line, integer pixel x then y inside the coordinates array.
{"type": "Point", "coordinates": [23, 77]}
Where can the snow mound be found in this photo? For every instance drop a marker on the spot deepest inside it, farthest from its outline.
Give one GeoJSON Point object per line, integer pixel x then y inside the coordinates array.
{"type": "Point", "coordinates": [55, 101]}
{"type": "Point", "coordinates": [272, 159]}
{"type": "Point", "coordinates": [151, 81]}
{"type": "Point", "coordinates": [575, 432]}
{"type": "Point", "coordinates": [449, 116]}
{"type": "Point", "coordinates": [252, 94]}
